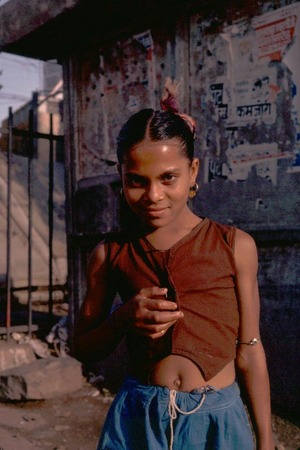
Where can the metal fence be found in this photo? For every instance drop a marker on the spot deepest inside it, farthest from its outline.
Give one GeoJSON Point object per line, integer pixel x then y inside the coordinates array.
{"type": "Point", "coordinates": [29, 136]}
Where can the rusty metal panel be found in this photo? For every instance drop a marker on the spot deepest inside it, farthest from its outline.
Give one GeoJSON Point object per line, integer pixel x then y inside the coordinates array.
{"type": "Point", "coordinates": [113, 83]}
{"type": "Point", "coordinates": [112, 86]}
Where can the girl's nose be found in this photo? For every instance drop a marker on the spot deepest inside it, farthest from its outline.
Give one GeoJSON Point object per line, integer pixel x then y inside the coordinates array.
{"type": "Point", "coordinates": [154, 193]}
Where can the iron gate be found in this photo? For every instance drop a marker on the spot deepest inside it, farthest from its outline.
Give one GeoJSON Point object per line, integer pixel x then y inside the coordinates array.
{"type": "Point", "coordinates": [30, 136]}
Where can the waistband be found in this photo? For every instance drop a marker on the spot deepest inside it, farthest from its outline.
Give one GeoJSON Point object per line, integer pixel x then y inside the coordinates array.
{"type": "Point", "coordinates": [132, 384]}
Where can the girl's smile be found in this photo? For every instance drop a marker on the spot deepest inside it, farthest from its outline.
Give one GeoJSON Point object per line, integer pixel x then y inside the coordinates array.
{"type": "Point", "coordinates": [156, 179]}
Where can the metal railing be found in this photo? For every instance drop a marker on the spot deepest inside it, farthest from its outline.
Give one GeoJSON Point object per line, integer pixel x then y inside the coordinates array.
{"type": "Point", "coordinates": [30, 136]}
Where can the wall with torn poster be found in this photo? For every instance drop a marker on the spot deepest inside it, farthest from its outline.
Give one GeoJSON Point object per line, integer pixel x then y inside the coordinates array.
{"type": "Point", "coordinates": [241, 83]}
{"type": "Point", "coordinates": [245, 92]}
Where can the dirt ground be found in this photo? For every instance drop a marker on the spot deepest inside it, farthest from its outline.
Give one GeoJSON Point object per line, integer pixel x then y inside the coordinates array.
{"type": "Point", "coordinates": [73, 422]}
{"type": "Point", "coordinates": [70, 422]}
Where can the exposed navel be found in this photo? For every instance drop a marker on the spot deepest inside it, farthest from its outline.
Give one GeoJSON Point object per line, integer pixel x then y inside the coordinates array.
{"type": "Point", "coordinates": [177, 383]}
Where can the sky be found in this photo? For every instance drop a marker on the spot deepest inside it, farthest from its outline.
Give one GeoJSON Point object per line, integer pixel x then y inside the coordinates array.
{"type": "Point", "coordinates": [19, 77]}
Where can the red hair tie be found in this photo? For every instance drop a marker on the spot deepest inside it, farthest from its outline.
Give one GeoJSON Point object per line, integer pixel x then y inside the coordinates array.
{"type": "Point", "coordinates": [169, 102]}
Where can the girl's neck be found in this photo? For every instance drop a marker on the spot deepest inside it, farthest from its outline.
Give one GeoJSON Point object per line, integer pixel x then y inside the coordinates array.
{"type": "Point", "coordinates": [165, 237]}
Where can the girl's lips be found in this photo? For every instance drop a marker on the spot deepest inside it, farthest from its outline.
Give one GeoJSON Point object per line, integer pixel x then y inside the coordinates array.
{"type": "Point", "coordinates": [154, 212]}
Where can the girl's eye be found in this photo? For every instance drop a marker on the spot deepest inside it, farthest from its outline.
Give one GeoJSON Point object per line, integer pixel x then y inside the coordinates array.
{"type": "Point", "coordinates": [135, 181]}
{"type": "Point", "coordinates": [169, 178]}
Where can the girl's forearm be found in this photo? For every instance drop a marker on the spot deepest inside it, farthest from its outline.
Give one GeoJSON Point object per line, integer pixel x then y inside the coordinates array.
{"type": "Point", "coordinates": [253, 370]}
{"type": "Point", "coordinates": [94, 344]}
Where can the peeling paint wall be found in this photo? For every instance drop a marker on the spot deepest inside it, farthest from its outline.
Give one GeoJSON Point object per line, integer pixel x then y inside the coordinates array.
{"type": "Point", "coordinates": [245, 82]}
{"type": "Point", "coordinates": [113, 83]}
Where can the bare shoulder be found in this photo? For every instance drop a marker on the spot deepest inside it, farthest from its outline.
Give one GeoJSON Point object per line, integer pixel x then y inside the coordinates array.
{"type": "Point", "coordinates": [105, 249]}
{"type": "Point", "coordinates": [97, 267]}
{"type": "Point", "coordinates": [98, 255]}
{"type": "Point", "coordinates": [245, 251]}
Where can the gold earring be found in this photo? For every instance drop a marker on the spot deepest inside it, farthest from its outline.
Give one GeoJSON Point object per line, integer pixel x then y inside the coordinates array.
{"type": "Point", "coordinates": [193, 190]}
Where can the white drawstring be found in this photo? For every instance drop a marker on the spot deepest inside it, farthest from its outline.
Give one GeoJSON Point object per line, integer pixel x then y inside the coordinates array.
{"type": "Point", "coordinates": [173, 408]}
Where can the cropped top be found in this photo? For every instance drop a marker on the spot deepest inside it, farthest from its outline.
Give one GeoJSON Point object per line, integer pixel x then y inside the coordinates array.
{"type": "Point", "coordinates": [199, 272]}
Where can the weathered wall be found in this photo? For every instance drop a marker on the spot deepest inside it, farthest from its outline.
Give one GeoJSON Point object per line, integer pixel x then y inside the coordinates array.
{"type": "Point", "coordinates": [20, 18]}
{"type": "Point", "coordinates": [244, 90]}
{"type": "Point", "coordinates": [240, 83]}
{"type": "Point", "coordinates": [112, 83]}
{"type": "Point", "coordinates": [243, 95]}
{"type": "Point", "coordinates": [279, 290]}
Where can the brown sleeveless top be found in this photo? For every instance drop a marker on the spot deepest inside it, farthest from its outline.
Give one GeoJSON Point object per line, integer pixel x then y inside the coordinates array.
{"type": "Point", "coordinates": [199, 272]}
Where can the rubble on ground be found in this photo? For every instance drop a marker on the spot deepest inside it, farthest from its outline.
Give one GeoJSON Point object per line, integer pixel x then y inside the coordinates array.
{"type": "Point", "coordinates": [42, 379]}
{"type": "Point", "coordinates": [31, 369]}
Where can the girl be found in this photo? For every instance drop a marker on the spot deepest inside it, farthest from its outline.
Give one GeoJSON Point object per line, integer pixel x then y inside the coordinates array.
{"type": "Point", "coordinates": [190, 308]}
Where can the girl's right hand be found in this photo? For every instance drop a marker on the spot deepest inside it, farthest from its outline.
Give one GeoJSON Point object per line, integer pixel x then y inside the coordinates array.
{"type": "Point", "coordinates": [148, 313]}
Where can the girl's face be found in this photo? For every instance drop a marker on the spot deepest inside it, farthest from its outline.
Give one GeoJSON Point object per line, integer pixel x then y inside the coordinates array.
{"type": "Point", "coordinates": [157, 178]}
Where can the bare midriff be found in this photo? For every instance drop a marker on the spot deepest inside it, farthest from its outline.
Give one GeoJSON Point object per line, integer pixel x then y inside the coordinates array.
{"type": "Point", "coordinates": [182, 374]}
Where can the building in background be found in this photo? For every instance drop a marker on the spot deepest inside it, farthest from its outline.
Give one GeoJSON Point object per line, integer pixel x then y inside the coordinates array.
{"type": "Point", "coordinates": [43, 103]}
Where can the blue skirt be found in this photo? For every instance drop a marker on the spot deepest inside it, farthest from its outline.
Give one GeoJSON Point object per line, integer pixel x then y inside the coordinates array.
{"type": "Point", "coordinates": [155, 418]}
